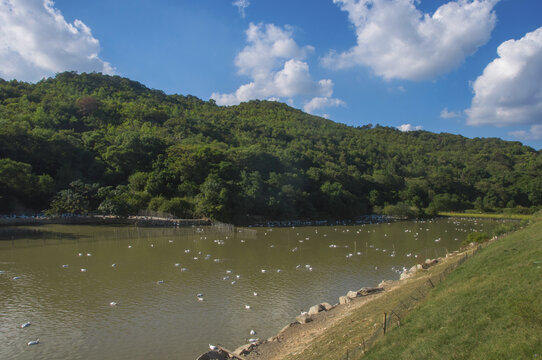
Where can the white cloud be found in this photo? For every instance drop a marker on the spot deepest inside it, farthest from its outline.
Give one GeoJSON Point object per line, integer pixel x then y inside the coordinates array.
{"type": "Point", "coordinates": [397, 41]}
{"type": "Point", "coordinates": [320, 103]}
{"type": "Point", "coordinates": [445, 114]}
{"type": "Point", "coordinates": [36, 41]}
{"type": "Point", "coordinates": [276, 66]}
{"type": "Point", "coordinates": [534, 133]}
{"type": "Point", "coordinates": [241, 6]}
{"type": "Point", "coordinates": [509, 91]}
{"type": "Point", "coordinates": [409, 127]}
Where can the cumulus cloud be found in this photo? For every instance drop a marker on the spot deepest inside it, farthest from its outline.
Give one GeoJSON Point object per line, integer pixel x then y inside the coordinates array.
{"type": "Point", "coordinates": [241, 6]}
{"type": "Point", "coordinates": [36, 41]}
{"type": "Point", "coordinates": [275, 63]}
{"type": "Point", "coordinates": [398, 41]}
{"type": "Point", "coordinates": [534, 133]}
{"type": "Point", "coordinates": [509, 91]}
{"type": "Point", "coordinates": [319, 102]}
{"type": "Point", "coordinates": [445, 114]}
{"type": "Point", "coordinates": [409, 127]}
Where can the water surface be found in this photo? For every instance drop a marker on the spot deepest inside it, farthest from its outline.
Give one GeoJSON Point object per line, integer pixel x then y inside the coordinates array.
{"type": "Point", "coordinates": [159, 273]}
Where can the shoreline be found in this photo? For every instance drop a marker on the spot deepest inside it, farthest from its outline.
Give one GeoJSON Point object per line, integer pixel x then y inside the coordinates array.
{"type": "Point", "coordinates": [297, 336]}
{"type": "Point", "coordinates": [141, 221]}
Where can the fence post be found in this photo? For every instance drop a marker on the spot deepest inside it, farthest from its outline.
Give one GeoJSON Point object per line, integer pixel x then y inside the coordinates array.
{"type": "Point", "coordinates": [398, 318]}
{"type": "Point", "coordinates": [385, 321]}
{"type": "Point", "coordinates": [430, 282]}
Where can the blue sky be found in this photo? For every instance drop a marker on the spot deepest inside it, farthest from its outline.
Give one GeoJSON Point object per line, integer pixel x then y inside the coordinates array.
{"type": "Point", "coordinates": [431, 64]}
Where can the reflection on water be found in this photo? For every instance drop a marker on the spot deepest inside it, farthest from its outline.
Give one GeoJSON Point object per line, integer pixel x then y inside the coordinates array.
{"type": "Point", "coordinates": [22, 233]}
{"type": "Point", "coordinates": [154, 277]}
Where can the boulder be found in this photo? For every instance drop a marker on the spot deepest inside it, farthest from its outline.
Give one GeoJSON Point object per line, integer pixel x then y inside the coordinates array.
{"type": "Point", "coordinates": [428, 263]}
{"type": "Point", "coordinates": [316, 309]}
{"type": "Point", "coordinates": [365, 291]}
{"type": "Point", "coordinates": [344, 300]}
{"type": "Point", "coordinates": [244, 349]}
{"type": "Point", "coordinates": [304, 318]}
{"type": "Point", "coordinates": [352, 294]}
{"type": "Point", "coordinates": [213, 355]}
{"type": "Point", "coordinates": [327, 306]}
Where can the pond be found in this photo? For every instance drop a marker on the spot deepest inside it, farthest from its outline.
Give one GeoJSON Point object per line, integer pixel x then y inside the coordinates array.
{"type": "Point", "coordinates": [97, 292]}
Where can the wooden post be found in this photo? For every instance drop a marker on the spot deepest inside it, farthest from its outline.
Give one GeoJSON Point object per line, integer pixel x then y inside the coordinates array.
{"type": "Point", "coordinates": [385, 320]}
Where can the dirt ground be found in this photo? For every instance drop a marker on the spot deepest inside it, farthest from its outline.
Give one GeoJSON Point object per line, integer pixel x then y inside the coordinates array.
{"type": "Point", "coordinates": [295, 337]}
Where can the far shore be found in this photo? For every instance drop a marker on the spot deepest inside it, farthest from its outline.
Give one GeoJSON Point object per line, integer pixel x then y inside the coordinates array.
{"type": "Point", "coordinates": [156, 221]}
{"type": "Point", "coordinates": [143, 221]}
{"type": "Point", "coordinates": [502, 216]}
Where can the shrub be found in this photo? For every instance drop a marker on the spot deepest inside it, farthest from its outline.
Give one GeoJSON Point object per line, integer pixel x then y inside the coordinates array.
{"type": "Point", "coordinates": [400, 210]}
{"type": "Point", "coordinates": [476, 237]}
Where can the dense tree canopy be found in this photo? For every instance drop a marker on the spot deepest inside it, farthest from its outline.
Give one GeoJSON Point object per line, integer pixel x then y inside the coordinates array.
{"type": "Point", "coordinates": [90, 143]}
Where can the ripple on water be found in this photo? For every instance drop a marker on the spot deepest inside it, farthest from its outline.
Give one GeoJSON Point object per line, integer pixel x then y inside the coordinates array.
{"type": "Point", "coordinates": [71, 314]}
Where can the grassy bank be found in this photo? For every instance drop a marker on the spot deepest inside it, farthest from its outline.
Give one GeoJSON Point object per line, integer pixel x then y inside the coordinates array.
{"type": "Point", "coordinates": [489, 308]}
{"type": "Point", "coordinates": [486, 215]}
{"type": "Point", "coordinates": [353, 330]}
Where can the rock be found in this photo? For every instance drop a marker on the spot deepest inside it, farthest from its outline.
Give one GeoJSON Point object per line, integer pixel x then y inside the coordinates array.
{"type": "Point", "coordinates": [303, 318]}
{"type": "Point", "coordinates": [428, 263]}
{"type": "Point", "coordinates": [213, 355]}
{"type": "Point", "coordinates": [344, 300]}
{"type": "Point", "coordinates": [404, 275]}
{"type": "Point", "coordinates": [365, 291]}
{"type": "Point", "coordinates": [244, 349]}
{"type": "Point", "coordinates": [413, 269]}
{"type": "Point", "coordinates": [327, 306]}
{"type": "Point", "coordinates": [352, 294]}
{"type": "Point", "coordinates": [316, 309]}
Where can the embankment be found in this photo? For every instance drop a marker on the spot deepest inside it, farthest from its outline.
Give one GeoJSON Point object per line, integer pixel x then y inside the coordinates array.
{"type": "Point", "coordinates": [328, 332]}
{"type": "Point", "coordinates": [489, 308]}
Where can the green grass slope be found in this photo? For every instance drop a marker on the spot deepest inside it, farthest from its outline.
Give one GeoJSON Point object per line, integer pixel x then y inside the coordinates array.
{"type": "Point", "coordinates": [489, 308]}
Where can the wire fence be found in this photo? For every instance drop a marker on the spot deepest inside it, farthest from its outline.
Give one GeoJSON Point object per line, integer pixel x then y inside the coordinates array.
{"type": "Point", "coordinates": [393, 317]}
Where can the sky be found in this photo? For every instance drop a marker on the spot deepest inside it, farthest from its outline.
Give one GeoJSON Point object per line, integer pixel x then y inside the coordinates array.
{"type": "Point", "coordinates": [469, 67]}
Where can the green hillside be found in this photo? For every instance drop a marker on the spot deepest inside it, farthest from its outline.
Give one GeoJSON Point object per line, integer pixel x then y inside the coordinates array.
{"type": "Point", "coordinates": [92, 143]}
{"type": "Point", "coordinates": [489, 308]}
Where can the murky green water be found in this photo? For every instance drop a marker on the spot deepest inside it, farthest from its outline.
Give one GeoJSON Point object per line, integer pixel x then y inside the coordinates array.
{"type": "Point", "coordinates": [159, 273]}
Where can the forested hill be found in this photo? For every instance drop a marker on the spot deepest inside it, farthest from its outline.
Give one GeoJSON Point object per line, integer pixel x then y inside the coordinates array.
{"type": "Point", "coordinates": [92, 143]}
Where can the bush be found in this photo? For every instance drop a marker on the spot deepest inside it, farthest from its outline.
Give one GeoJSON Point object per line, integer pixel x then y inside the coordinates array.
{"type": "Point", "coordinates": [400, 210]}
{"type": "Point", "coordinates": [447, 202]}
{"type": "Point", "coordinates": [476, 237]}
{"type": "Point", "coordinates": [178, 207]}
